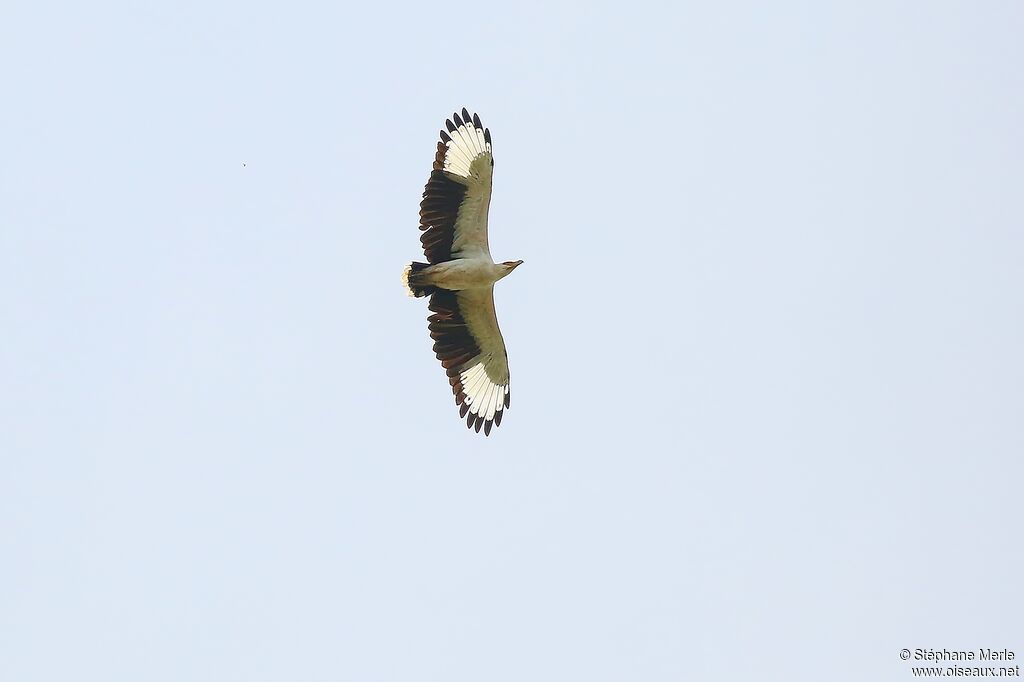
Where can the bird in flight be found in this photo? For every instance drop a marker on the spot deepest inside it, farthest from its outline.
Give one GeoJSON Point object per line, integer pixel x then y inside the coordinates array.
{"type": "Point", "coordinates": [459, 276]}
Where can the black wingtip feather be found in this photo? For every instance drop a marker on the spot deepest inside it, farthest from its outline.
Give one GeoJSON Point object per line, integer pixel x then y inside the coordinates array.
{"type": "Point", "coordinates": [465, 115]}
{"type": "Point", "coordinates": [487, 135]}
{"type": "Point", "coordinates": [450, 126]}
{"type": "Point", "coordinates": [445, 137]}
{"type": "Point", "coordinates": [476, 121]}
{"type": "Point", "coordinates": [458, 121]}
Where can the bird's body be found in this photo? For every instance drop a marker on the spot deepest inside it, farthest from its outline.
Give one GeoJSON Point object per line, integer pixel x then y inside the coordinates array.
{"type": "Point", "coordinates": [460, 274]}
{"type": "Point", "coordinates": [463, 273]}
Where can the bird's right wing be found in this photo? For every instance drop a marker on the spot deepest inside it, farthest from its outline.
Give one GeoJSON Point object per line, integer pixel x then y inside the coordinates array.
{"type": "Point", "coordinates": [469, 345]}
{"type": "Point", "coordinates": [453, 212]}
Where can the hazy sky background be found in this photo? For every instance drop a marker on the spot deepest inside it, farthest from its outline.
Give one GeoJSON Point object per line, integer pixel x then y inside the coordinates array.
{"type": "Point", "coordinates": [766, 345]}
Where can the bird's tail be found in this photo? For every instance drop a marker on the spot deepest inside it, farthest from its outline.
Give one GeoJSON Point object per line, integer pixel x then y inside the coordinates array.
{"type": "Point", "coordinates": [413, 281]}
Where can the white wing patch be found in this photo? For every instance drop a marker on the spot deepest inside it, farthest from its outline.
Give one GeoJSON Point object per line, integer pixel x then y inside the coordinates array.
{"type": "Point", "coordinates": [465, 140]}
{"type": "Point", "coordinates": [485, 400]}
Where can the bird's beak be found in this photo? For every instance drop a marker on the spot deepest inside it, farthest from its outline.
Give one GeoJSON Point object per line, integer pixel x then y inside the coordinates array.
{"type": "Point", "coordinates": [518, 263]}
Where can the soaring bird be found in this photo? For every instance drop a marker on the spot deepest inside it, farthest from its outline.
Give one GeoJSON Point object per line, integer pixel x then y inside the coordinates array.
{"type": "Point", "coordinates": [459, 276]}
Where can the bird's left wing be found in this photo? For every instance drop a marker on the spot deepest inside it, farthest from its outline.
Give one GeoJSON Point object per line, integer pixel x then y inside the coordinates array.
{"type": "Point", "coordinates": [453, 212]}
{"type": "Point", "coordinates": [469, 345]}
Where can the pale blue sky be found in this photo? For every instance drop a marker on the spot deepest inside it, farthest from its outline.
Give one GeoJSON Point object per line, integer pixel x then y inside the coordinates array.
{"type": "Point", "coordinates": [765, 347]}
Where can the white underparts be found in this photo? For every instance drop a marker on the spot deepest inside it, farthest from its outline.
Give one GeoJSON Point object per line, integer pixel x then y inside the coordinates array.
{"type": "Point", "coordinates": [463, 273]}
